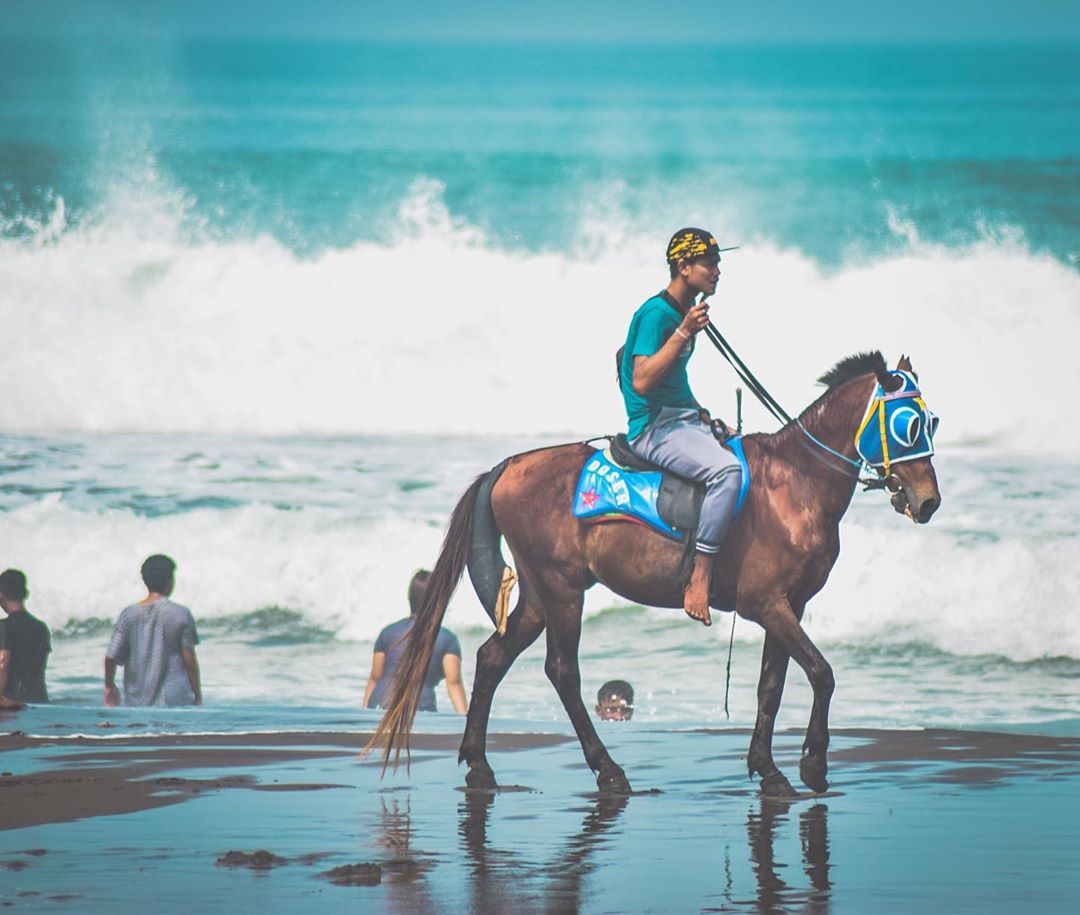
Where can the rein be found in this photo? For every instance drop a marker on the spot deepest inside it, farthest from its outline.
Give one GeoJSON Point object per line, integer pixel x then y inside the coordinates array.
{"type": "Point", "coordinates": [882, 481]}
{"type": "Point", "coordinates": [757, 388]}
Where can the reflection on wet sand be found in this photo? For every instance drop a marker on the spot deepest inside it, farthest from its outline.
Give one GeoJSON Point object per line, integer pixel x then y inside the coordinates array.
{"type": "Point", "coordinates": [578, 858]}
{"type": "Point", "coordinates": [491, 880]}
{"type": "Point", "coordinates": [774, 893]}
{"type": "Point", "coordinates": [405, 867]}
{"type": "Point", "coordinates": [503, 881]}
{"type": "Point", "coordinates": [814, 832]}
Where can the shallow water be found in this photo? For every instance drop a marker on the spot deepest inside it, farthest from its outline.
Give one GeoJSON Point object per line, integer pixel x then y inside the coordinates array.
{"type": "Point", "coordinates": [939, 822]}
{"type": "Point", "coordinates": [295, 552]}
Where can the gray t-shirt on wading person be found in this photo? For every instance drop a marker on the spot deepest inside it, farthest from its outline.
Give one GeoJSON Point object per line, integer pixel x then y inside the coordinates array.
{"type": "Point", "coordinates": [147, 642]}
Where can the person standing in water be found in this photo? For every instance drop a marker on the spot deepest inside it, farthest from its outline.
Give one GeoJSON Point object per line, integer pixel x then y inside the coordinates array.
{"type": "Point", "coordinates": [667, 425]}
{"type": "Point", "coordinates": [24, 645]}
{"type": "Point", "coordinates": [154, 641]}
{"type": "Point", "coordinates": [390, 647]}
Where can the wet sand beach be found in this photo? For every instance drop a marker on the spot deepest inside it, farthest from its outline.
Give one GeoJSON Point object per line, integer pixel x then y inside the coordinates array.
{"type": "Point", "coordinates": [934, 820]}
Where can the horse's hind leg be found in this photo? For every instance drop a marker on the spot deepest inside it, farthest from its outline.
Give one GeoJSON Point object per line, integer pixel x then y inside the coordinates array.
{"type": "Point", "coordinates": [563, 638]}
{"type": "Point", "coordinates": [774, 665]}
{"type": "Point", "coordinates": [493, 660]}
{"type": "Point", "coordinates": [780, 622]}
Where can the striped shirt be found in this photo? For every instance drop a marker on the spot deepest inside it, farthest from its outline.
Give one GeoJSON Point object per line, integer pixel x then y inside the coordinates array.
{"type": "Point", "coordinates": [147, 643]}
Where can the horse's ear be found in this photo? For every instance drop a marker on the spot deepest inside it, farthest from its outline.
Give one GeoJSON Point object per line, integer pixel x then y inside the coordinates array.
{"type": "Point", "coordinates": [904, 365]}
{"type": "Point", "coordinates": [889, 383]}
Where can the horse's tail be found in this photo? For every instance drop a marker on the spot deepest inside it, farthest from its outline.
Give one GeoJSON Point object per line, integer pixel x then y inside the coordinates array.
{"type": "Point", "coordinates": [394, 731]}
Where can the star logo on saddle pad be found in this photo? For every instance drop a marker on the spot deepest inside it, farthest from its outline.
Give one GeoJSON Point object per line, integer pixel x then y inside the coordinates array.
{"type": "Point", "coordinates": [588, 500]}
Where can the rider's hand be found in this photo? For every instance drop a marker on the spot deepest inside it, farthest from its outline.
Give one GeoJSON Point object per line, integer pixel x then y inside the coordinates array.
{"type": "Point", "coordinates": [696, 318]}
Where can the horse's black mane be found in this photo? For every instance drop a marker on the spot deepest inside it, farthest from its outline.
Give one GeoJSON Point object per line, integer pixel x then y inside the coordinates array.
{"type": "Point", "coordinates": [853, 367]}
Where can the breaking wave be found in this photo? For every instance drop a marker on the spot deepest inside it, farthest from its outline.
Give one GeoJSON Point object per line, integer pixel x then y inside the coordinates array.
{"type": "Point", "coordinates": [132, 322]}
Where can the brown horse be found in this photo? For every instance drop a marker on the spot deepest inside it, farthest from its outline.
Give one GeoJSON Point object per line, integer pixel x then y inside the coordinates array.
{"type": "Point", "coordinates": [777, 555]}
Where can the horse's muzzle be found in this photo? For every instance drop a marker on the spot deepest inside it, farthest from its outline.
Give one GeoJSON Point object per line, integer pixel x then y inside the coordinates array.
{"type": "Point", "coordinates": [921, 512]}
{"type": "Point", "coordinates": [926, 509]}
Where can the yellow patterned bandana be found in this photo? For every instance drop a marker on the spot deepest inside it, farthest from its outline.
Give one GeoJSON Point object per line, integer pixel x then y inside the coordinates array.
{"type": "Point", "coordinates": [690, 242]}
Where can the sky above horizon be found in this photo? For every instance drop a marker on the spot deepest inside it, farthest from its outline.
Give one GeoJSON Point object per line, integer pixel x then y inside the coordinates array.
{"type": "Point", "coordinates": [554, 20]}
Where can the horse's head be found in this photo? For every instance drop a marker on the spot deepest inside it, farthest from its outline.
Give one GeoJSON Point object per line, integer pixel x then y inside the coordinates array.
{"type": "Point", "coordinates": [897, 437]}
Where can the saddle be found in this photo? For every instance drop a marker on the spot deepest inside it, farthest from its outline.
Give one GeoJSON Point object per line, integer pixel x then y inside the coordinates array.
{"type": "Point", "coordinates": [617, 485]}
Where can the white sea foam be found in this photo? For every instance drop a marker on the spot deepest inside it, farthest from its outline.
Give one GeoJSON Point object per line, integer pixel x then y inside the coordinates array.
{"type": "Point", "coordinates": [894, 583]}
{"type": "Point", "coordinates": [127, 323]}
{"type": "Point", "coordinates": [1014, 598]}
{"type": "Point", "coordinates": [346, 577]}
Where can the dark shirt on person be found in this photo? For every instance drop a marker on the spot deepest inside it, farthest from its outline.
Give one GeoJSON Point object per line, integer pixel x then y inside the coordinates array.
{"type": "Point", "coordinates": [392, 641]}
{"type": "Point", "coordinates": [27, 638]}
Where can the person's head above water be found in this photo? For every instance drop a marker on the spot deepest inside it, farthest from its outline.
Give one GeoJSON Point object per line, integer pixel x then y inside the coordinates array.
{"type": "Point", "coordinates": [615, 701]}
{"type": "Point", "coordinates": [417, 587]}
{"type": "Point", "coordinates": [159, 574]}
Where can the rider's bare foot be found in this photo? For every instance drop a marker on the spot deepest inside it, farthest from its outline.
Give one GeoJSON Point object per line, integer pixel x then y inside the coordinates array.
{"type": "Point", "coordinates": [696, 596]}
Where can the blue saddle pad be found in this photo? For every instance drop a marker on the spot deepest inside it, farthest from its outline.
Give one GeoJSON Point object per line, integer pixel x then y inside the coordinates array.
{"type": "Point", "coordinates": [606, 491]}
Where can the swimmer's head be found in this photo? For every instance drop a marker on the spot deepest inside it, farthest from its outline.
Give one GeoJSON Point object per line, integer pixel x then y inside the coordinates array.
{"type": "Point", "coordinates": [615, 701]}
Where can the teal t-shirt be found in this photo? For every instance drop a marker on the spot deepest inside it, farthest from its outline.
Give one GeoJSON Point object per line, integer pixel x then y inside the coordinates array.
{"type": "Point", "coordinates": [650, 328]}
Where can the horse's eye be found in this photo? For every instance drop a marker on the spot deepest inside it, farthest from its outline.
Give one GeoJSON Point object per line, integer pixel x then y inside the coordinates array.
{"type": "Point", "coordinates": [905, 425]}
{"type": "Point", "coordinates": [931, 423]}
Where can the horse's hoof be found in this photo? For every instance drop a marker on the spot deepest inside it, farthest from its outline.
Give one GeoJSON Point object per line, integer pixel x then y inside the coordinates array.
{"type": "Point", "coordinates": [480, 778]}
{"type": "Point", "coordinates": [613, 781]}
{"type": "Point", "coordinates": [775, 784]}
{"type": "Point", "coordinates": [812, 769]}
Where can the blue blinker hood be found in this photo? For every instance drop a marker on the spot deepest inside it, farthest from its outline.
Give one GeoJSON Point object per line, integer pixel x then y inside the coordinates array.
{"type": "Point", "coordinates": [897, 426]}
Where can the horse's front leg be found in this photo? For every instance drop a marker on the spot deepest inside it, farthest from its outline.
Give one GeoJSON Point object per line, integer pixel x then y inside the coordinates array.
{"type": "Point", "coordinates": [774, 664]}
{"type": "Point", "coordinates": [780, 623]}
{"type": "Point", "coordinates": [493, 660]}
{"type": "Point", "coordinates": [563, 638]}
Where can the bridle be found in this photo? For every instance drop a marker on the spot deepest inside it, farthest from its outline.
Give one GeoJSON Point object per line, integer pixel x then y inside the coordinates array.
{"type": "Point", "coordinates": [878, 407]}
{"type": "Point", "coordinates": [883, 480]}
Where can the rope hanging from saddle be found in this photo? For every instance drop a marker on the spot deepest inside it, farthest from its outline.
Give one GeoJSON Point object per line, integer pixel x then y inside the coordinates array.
{"type": "Point", "coordinates": [502, 602]}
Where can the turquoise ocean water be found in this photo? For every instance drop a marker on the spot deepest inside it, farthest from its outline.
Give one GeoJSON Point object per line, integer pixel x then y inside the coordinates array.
{"type": "Point", "coordinates": [317, 144]}
{"type": "Point", "coordinates": [269, 306]}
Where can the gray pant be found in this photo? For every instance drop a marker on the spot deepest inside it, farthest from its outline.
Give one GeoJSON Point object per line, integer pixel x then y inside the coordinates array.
{"type": "Point", "coordinates": [679, 441]}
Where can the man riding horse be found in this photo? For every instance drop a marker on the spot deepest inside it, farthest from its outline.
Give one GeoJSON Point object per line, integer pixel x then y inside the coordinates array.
{"type": "Point", "coordinates": [667, 425]}
{"type": "Point", "coordinates": [777, 554]}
